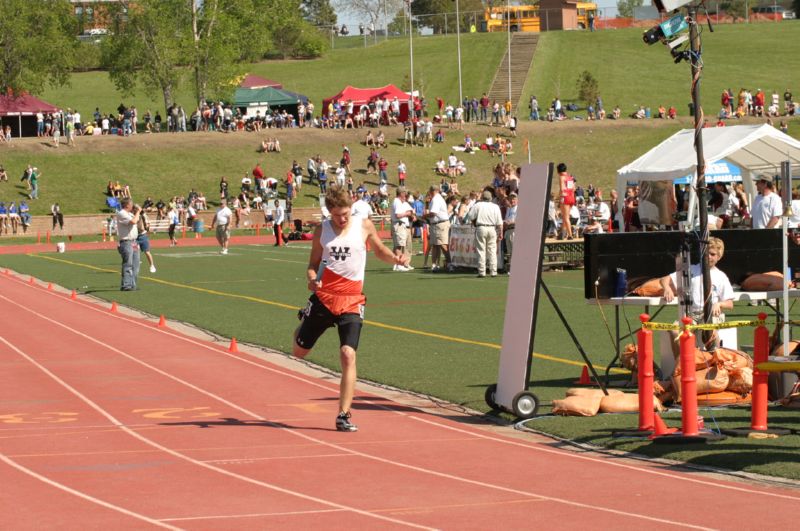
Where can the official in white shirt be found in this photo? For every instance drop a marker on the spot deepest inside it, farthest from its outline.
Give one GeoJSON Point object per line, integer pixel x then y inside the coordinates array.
{"type": "Point", "coordinates": [402, 215]}
{"type": "Point", "coordinates": [439, 221]}
{"type": "Point", "coordinates": [488, 220]}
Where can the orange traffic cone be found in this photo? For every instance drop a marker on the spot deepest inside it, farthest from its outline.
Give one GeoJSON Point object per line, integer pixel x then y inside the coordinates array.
{"type": "Point", "coordinates": [162, 322]}
{"type": "Point", "coordinates": [113, 306]}
{"type": "Point", "coordinates": [424, 240]}
{"type": "Point", "coordinates": [74, 295]}
{"type": "Point", "coordinates": [233, 347]}
{"type": "Point", "coordinates": [585, 379]}
{"type": "Point", "coordinates": [31, 281]}
{"type": "Point", "coordinates": [660, 428]}
{"type": "Point", "coordinates": [50, 286]}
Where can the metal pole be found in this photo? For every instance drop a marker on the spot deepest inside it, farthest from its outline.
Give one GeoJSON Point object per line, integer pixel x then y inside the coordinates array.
{"type": "Point", "coordinates": [458, 44]}
{"type": "Point", "coordinates": [385, 22]}
{"type": "Point", "coordinates": [696, 62]}
{"type": "Point", "coordinates": [411, 56]}
{"type": "Point", "coordinates": [508, 51]}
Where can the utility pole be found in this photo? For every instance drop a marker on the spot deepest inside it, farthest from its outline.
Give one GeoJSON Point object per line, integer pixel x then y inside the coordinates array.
{"type": "Point", "coordinates": [458, 44]}
{"type": "Point", "coordinates": [697, 69]}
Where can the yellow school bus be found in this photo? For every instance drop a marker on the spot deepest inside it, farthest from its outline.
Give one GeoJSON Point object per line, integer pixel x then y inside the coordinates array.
{"type": "Point", "coordinates": [527, 18]}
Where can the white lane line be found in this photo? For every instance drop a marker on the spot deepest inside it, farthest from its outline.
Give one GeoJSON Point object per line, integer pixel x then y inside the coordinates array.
{"type": "Point", "coordinates": [321, 442]}
{"type": "Point", "coordinates": [79, 494]}
{"type": "Point", "coordinates": [254, 515]}
{"type": "Point", "coordinates": [174, 453]}
{"type": "Point", "coordinates": [530, 446]}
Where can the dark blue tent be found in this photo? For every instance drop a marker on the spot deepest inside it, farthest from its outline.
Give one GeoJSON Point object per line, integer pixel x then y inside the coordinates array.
{"type": "Point", "coordinates": [300, 97]}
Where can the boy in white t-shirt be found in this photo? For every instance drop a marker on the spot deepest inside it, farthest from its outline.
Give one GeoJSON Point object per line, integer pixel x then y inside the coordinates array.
{"type": "Point", "coordinates": [721, 289]}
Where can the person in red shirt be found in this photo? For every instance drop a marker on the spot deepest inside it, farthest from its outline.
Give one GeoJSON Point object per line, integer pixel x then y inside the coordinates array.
{"type": "Point", "coordinates": [567, 185]}
{"type": "Point", "coordinates": [258, 173]}
{"type": "Point", "coordinates": [758, 103]}
{"type": "Point", "coordinates": [382, 165]}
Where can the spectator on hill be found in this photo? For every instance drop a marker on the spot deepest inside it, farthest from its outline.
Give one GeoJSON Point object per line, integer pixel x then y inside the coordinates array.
{"type": "Point", "coordinates": [3, 175]}
{"type": "Point", "coordinates": [34, 182]}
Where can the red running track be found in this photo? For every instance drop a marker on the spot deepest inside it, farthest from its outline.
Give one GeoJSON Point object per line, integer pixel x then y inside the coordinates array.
{"type": "Point", "coordinates": [107, 420]}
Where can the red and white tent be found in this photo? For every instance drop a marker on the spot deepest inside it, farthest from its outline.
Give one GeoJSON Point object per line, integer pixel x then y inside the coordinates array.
{"type": "Point", "coordinates": [361, 96]}
{"type": "Point", "coordinates": [20, 113]}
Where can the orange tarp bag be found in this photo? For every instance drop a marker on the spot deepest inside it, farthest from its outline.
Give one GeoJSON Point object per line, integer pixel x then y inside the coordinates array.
{"type": "Point", "coordinates": [741, 380]}
{"type": "Point", "coordinates": [651, 288]}
{"type": "Point", "coordinates": [580, 406]}
{"type": "Point", "coordinates": [725, 398]}
{"type": "Point", "coordinates": [625, 403]}
{"type": "Point", "coordinates": [772, 281]}
{"type": "Point", "coordinates": [731, 359]}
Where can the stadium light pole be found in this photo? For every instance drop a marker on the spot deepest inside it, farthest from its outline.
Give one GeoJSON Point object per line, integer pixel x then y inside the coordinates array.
{"type": "Point", "coordinates": [508, 50]}
{"type": "Point", "coordinates": [458, 45]}
{"type": "Point", "coordinates": [411, 55]}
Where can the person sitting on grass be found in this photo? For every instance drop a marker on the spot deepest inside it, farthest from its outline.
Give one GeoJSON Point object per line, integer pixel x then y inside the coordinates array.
{"type": "Point", "coordinates": [369, 140]}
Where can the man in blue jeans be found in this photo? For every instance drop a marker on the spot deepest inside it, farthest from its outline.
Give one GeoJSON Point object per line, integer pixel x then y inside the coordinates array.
{"type": "Point", "coordinates": [127, 219]}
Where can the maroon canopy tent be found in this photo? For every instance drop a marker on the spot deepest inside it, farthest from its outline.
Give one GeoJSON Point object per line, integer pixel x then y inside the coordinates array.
{"type": "Point", "coordinates": [20, 113]}
{"type": "Point", "coordinates": [252, 81]}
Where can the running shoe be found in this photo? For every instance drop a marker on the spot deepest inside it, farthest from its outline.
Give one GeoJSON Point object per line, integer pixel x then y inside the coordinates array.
{"type": "Point", "coordinates": [343, 423]}
{"type": "Point", "coordinates": [152, 269]}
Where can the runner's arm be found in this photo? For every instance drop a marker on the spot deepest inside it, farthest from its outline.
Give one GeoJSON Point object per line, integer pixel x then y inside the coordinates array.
{"type": "Point", "coordinates": [314, 260]}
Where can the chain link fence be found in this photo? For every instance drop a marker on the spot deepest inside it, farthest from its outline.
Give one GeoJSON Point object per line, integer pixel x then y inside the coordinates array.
{"type": "Point", "coordinates": [536, 20]}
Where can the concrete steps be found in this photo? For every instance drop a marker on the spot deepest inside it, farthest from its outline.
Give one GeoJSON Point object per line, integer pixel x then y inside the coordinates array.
{"type": "Point", "coordinates": [523, 48]}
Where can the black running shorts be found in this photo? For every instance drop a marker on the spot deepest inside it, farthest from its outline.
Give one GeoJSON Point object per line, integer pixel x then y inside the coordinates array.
{"type": "Point", "coordinates": [315, 318]}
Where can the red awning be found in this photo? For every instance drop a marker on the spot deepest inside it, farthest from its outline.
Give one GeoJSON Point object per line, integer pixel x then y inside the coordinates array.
{"type": "Point", "coordinates": [25, 105]}
{"type": "Point", "coordinates": [252, 81]}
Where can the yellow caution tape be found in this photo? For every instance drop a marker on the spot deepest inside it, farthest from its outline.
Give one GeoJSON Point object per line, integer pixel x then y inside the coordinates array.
{"type": "Point", "coordinates": [661, 326]}
{"type": "Point", "coordinates": [707, 326]}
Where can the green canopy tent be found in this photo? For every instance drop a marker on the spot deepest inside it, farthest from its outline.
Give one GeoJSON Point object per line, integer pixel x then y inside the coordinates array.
{"type": "Point", "coordinates": [249, 101]}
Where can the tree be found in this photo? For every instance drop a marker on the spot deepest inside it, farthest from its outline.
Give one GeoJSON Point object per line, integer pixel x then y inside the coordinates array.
{"type": "Point", "coordinates": [625, 7]}
{"type": "Point", "coordinates": [37, 44]}
{"type": "Point", "coordinates": [588, 87]}
{"type": "Point", "coordinates": [796, 7]}
{"type": "Point", "coordinates": [319, 12]}
{"type": "Point", "coordinates": [148, 45]}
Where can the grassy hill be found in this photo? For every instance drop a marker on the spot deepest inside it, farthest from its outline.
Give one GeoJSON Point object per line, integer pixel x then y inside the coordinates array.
{"type": "Point", "coordinates": [435, 70]}
{"type": "Point", "coordinates": [631, 73]}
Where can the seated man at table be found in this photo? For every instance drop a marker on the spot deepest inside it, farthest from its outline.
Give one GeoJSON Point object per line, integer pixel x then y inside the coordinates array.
{"type": "Point", "coordinates": [721, 289]}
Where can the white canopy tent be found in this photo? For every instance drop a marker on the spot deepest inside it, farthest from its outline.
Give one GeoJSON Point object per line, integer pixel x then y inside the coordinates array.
{"type": "Point", "coordinates": [756, 149]}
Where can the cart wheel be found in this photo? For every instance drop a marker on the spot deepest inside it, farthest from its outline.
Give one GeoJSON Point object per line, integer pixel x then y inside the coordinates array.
{"type": "Point", "coordinates": [525, 405]}
{"type": "Point", "coordinates": [489, 396]}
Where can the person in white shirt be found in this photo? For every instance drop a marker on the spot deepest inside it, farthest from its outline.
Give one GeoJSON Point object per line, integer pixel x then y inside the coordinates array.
{"type": "Point", "coordinates": [402, 215]}
{"type": "Point", "coordinates": [362, 208]}
{"type": "Point", "coordinates": [222, 220]}
{"type": "Point", "coordinates": [721, 289]}
{"type": "Point", "coordinates": [486, 217]}
{"type": "Point", "coordinates": [767, 206]}
{"type": "Point", "coordinates": [127, 218]}
{"type": "Point", "coordinates": [439, 221]}
{"type": "Point", "coordinates": [278, 219]}
{"type": "Point", "coordinates": [341, 175]}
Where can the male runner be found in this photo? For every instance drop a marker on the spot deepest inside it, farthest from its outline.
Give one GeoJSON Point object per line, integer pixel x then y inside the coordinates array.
{"type": "Point", "coordinates": [340, 246]}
